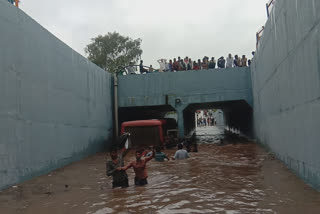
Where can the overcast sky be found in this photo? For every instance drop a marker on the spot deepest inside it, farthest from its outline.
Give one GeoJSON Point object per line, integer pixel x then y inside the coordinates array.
{"type": "Point", "coordinates": [168, 28]}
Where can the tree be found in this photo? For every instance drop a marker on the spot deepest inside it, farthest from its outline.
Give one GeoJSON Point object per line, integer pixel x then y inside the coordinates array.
{"type": "Point", "coordinates": [113, 51]}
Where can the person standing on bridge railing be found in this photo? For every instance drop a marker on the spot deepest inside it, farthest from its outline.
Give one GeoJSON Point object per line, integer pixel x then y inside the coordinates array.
{"type": "Point", "coordinates": [212, 63]}
{"type": "Point", "coordinates": [195, 66]}
{"type": "Point", "coordinates": [14, 2]}
{"type": "Point", "coordinates": [221, 62]}
{"type": "Point", "coordinates": [179, 63]}
{"type": "Point", "coordinates": [204, 63]}
{"type": "Point", "coordinates": [199, 64]}
{"type": "Point", "coordinates": [175, 65]}
{"type": "Point", "coordinates": [190, 64]}
{"type": "Point", "coordinates": [142, 69]}
{"type": "Point", "coordinates": [186, 61]}
{"type": "Point", "coordinates": [244, 61]}
{"type": "Point", "coordinates": [229, 61]}
{"type": "Point", "coordinates": [236, 61]}
{"type": "Point", "coordinates": [162, 63]}
{"type": "Point", "coordinates": [182, 65]}
{"type": "Point", "coordinates": [168, 66]}
{"type": "Point", "coordinates": [151, 69]}
{"type": "Point", "coordinates": [131, 69]}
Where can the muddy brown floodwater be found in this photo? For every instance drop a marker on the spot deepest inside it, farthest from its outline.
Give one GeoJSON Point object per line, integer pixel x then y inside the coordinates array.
{"type": "Point", "coordinates": [241, 178]}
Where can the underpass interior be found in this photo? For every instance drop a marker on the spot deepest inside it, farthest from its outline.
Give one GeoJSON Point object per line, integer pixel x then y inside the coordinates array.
{"type": "Point", "coordinates": [237, 115]}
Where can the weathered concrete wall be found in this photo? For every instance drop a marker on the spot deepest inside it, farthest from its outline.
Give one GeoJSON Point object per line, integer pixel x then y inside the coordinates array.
{"type": "Point", "coordinates": [286, 87]}
{"type": "Point", "coordinates": [55, 106]}
{"type": "Point", "coordinates": [202, 86]}
{"type": "Point", "coordinates": [218, 116]}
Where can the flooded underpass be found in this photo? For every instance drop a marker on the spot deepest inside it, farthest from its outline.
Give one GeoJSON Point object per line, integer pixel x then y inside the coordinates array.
{"type": "Point", "coordinates": [233, 178]}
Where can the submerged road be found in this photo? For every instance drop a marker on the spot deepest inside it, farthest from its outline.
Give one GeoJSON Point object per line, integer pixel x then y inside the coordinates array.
{"type": "Point", "coordinates": [235, 178]}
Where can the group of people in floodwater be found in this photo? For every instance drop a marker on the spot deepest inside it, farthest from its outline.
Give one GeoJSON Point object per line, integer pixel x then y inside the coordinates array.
{"type": "Point", "coordinates": [117, 169]}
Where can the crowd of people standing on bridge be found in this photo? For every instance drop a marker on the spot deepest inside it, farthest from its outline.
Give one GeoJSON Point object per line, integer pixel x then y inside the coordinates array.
{"type": "Point", "coordinates": [14, 2]}
{"type": "Point", "coordinates": [179, 64]}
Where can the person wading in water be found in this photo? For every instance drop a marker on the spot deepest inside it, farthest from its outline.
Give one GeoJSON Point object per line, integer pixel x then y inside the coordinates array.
{"type": "Point", "coordinates": [180, 154]}
{"type": "Point", "coordinates": [120, 177]}
{"type": "Point", "coordinates": [160, 156]}
{"type": "Point", "coordinates": [139, 167]}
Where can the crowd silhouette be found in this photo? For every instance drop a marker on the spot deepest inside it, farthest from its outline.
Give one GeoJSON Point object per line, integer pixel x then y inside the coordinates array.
{"type": "Point", "coordinates": [179, 64]}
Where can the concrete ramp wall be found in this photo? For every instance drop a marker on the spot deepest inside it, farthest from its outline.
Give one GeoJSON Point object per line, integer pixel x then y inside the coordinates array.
{"type": "Point", "coordinates": [55, 105]}
{"type": "Point", "coordinates": [286, 87]}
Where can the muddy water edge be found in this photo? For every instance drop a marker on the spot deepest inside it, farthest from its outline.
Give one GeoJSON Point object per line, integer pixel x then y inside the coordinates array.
{"type": "Point", "coordinates": [234, 178]}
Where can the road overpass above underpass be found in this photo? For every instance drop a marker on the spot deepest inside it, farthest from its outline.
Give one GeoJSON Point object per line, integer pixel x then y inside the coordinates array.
{"type": "Point", "coordinates": [150, 95]}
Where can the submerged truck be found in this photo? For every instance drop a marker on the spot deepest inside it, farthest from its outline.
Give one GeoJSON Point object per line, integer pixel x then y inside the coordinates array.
{"type": "Point", "coordinates": [156, 132]}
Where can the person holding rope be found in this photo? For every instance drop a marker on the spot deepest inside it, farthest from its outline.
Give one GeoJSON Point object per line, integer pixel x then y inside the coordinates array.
{"type": "Point", "coordinates": [114, 166]}
{"type": "Point", "coordinates": [119, 176]}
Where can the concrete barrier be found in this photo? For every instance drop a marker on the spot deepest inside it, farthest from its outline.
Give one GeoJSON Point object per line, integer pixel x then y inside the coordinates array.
{"type": "Point", "coordinates": [286, 87]}
{"type": "Point", "coordinates": [55, 105]}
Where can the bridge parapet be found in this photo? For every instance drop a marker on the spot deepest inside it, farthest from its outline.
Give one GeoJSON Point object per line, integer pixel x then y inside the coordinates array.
{"type": "Point", "coordinates": [183, 88]}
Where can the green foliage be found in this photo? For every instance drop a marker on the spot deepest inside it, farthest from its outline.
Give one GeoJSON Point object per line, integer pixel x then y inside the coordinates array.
{"type": "Point", "coordinates": [113, 51]}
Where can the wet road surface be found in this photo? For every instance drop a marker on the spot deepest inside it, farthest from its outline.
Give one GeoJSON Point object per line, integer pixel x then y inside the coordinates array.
{"type": "Point", "coordinates": [235, 178]}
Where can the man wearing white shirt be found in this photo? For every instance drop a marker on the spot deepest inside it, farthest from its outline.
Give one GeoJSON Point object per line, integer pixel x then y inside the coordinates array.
{"type": "Point", "coordinates": [229, 61]}
{"type": "Point", "coordinates": [131, 69]}
{"type": "Point", "coordinates": [162, 63]}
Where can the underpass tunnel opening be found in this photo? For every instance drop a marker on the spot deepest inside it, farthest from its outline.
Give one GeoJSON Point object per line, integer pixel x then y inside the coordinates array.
{"type": "Point", "coordinates": [236, 115]}
{"type": "Point", "coordinates": [239, 115]}
{"type": "Point", "coordinates": [209, 117]}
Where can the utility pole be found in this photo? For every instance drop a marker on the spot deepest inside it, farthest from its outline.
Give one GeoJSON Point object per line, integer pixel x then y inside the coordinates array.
{"type": "Point", "coordinates": [116, 122]}
{"type": "Point", "coordinates": [115, 96]}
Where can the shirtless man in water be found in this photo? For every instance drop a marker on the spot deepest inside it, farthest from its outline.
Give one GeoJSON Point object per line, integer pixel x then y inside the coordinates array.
{"type": "Point", "coordinates": [139, 167]}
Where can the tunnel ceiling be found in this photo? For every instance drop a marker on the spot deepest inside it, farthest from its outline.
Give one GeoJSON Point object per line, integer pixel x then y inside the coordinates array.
{"type": "Point", "coordinates": [238, 105]}
{"type": "Point", "coordinates": [143, 113]}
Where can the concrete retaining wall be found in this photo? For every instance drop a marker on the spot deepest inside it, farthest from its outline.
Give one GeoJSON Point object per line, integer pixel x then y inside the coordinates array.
{"type": "Point", "coordinates": [55, 106]}
{"type": "Point", "coordinates": [201, 86]}
{"type": "Point", "coordinates": [286, 87]}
